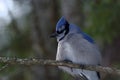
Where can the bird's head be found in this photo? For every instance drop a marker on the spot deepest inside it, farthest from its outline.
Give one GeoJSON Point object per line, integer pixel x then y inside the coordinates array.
{"type": "Point", "coordinates": [62, 29]}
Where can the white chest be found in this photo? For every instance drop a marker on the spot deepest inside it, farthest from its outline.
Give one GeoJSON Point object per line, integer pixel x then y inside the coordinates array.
{"type": "Point", "coordinates": [69, 49]}
{"type": "Point", "coordinates": [65, 51]}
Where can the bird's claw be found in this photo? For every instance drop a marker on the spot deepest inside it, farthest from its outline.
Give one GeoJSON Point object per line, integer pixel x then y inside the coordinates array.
{"type": "Point", "coordinates": [68, 61]}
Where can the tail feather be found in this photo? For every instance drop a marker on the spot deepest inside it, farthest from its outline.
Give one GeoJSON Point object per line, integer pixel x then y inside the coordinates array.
{"type": "Point", "coordinates": [81, 77]}
{"type": "Point", "coordinates": [98, 74]}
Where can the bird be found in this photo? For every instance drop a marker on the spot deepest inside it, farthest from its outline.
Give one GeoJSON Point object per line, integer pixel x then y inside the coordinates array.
{"type": "Point", "coordinates": [76, 46]}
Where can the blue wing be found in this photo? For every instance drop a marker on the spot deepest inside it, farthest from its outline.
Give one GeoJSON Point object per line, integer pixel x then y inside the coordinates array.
{"type": "Point", "coordinates": [87, 37]}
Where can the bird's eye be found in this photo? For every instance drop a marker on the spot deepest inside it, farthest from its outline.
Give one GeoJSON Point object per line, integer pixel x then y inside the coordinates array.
{"type": "Point", "coordinates": [62, 27]}
{"type": "Point", "coordinates": [61, 30]}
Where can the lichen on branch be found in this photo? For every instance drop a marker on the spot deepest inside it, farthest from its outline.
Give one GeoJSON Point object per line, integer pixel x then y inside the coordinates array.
{"type": "Point", "coordinates": [36, 61]}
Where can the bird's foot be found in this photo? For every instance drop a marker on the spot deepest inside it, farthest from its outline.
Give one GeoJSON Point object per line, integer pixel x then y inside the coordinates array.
{"type": "Point", "coordinates": [82, 66]}
{"type": "Point", "coordinates": [68, 61]}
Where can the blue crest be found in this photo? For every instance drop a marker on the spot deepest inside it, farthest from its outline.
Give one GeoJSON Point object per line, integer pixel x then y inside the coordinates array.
{"type": "Point", "coordinates": [60, 23]}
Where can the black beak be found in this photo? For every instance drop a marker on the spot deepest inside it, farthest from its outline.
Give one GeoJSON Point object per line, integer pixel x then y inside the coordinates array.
{"type": "Point", "coordinates": [54, 35]}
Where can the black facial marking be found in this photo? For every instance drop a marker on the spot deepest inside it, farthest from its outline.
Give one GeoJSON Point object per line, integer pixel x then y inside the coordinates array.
{"type": "Point", "coordinates": [59, 32]}
{"type": "Point", "coordinates": [66, 29]}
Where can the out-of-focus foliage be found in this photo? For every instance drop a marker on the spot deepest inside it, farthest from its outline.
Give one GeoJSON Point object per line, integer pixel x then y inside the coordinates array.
{"type": "Point", "coordinates": [104, 20]}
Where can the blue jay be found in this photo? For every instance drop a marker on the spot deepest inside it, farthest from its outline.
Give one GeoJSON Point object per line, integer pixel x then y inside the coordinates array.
{"type": "Point", "coordinates": [77, 47]}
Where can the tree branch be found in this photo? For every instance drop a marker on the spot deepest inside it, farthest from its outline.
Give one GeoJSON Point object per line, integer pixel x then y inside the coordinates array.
{"type": "Point", "coordinates": [36, 61]}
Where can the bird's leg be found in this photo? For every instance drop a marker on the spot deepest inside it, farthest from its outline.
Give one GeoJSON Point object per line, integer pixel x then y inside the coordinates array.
{"type": "Point", "coordinates": [68, 61]}
{"type": "Point", "coordinates": [82, 66]}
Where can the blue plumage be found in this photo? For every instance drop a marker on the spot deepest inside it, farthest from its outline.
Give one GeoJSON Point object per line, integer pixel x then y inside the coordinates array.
{"type": "Point", "coordinates": [77, 47]}
{"type": "Point", "coordinates": [62, 23]}
{"type": "Point", "coordinates": [87, 37]}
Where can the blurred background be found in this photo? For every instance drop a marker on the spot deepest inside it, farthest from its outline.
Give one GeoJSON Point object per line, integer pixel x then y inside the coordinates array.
{"type": "Point", "coordinates": [25, 26]}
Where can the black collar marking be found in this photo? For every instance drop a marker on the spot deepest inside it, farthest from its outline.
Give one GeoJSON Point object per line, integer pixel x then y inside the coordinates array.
{"type": "Point", "coordinates": [66, 30]}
